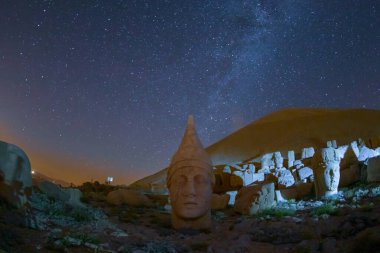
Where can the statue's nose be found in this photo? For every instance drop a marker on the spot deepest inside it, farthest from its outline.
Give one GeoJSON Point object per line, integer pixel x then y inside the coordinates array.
{"type": "Point", "coordinates": [188, 188]}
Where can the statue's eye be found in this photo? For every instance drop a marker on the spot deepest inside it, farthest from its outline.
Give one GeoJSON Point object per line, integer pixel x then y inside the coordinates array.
{"type": "Point", "coordinates": [181, 180]}
{"type": "Point", "coordinates": [200, 179]}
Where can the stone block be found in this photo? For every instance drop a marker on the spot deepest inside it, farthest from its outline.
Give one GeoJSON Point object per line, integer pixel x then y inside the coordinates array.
{"type": "Point", "coordinates": [373, 169]}
{"type": "Point", "coordinates": [255, 198]}
{"type": "Point", "coordinates": [305, 173]}
{"type": "Point", "coordinates": [349, 176]}
{"type": "Point", "coordinates": [219, 201]}
{"type": "Point", "coordinates": [232, 198]}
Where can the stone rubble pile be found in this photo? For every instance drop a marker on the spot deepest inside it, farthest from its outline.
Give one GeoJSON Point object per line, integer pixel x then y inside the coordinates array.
{"type": "Point", "coordinates": [296, 175]}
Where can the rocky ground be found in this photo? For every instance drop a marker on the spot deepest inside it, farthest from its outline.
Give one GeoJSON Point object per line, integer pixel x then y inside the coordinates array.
{"type": "Point", "coordinates": [348, 223]}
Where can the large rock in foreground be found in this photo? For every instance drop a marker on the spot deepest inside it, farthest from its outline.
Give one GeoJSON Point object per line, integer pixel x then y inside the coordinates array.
{"type": "Point", "coordinates": [255, 198]}
{"type": "Point", "coordinates": [129, 197]}
{"type": "Point", "coordinates": [15, 174]}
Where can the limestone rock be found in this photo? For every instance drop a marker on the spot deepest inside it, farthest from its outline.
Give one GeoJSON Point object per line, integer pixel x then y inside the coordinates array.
{"type": "Point", "coordinates": [232, 198]}
{"type": "Point", "coordinates": [307, 152]}
{"type": "Point", "coordinates": [291, 158]}
{"type": "Point", "coordinates": [366, 153]}
{"type": "Point", "coordinates": [129, 197]}
{"type": "Point", "coordinates": [219, 201]}
{"type": "Point", "coordinates": [373, 169]}
{"type": "Point", "coordinates": [279, 161]}
{"type": "Point", "coordinates": [255, 198]}
{"type": "Point", "coordinates": [305, 173]}
{"type": "Point", "coordinates": [285, 179]}
{"type": "Point", "coordinates": [15, 174]}
{"type": "Point", "coordinates": [266, 162]}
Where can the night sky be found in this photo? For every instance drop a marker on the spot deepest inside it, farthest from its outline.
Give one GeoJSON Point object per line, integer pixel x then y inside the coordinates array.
{"type": "Point", "coordinates": [91, 89]}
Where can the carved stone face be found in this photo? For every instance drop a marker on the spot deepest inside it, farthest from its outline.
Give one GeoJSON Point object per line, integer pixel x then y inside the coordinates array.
{"type": "Point", "coordinates": [190, 192]}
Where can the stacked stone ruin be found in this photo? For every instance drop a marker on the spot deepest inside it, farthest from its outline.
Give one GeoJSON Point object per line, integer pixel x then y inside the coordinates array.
{"type": "Point", "coordinates": [273, 177]}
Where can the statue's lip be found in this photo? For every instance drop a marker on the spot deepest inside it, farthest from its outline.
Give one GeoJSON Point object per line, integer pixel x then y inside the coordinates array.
{"type": "Point", "coordinates": [191, 203]}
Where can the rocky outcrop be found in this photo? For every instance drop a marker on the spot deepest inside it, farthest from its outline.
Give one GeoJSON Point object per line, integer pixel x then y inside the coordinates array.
{"type": "Point", "coordinates": [69, 196]}
{"type": "Point", "coordinates": [15, 174]}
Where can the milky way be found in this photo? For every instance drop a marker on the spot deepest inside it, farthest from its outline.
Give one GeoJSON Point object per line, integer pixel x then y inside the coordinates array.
{"type": "Point", "coordinates": [109, 84]}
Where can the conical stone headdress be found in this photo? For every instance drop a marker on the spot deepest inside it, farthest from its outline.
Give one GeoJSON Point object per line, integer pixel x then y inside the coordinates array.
{"type": "Point", "coordinates": [190, 153]}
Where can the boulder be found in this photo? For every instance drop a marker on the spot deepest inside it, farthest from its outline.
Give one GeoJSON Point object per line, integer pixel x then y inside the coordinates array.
{"type": "Point", "coordinates": [129, 197]}
{"type": "Point", "coordinates": [15, 174]}
{"type": "Point", "coordinates": [285, 179]}
{"type": "Point", "coordinates": [219, 201]}
{"type": "Point", "coordinates": [305, 173]}
{"type": "Point", "coordinates": [373, 169]}
{"type": "Point", "coordinates": [255, 198]}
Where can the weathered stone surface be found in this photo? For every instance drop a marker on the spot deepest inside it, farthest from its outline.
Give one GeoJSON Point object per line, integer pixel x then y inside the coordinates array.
{"type": "Point", "coordinates": [15, 174]}
{"type": "Point", "coordinates": [129, 197]}
{"type": "Point", "coordinates": [307, 152]}
{"type": "Point", "coordinates": [267, 162]}
{"type": "Point", "coordinates": [366, 153]}
{"type": "Point", "coordinates": [291, 158]}
{"type": "Point", "coordinates": [304, 189]}
{"type": "Point", "coordinates": [298, 164]}
{"type": "Point", "coordinates": [348, 157]}
{"type": "Point", "coordinates": [69, 196]}
{"type": "Point", "coordinates": [236, 179]}
{"type": "Point", "coordinates": [219, 201]}
{"type": "Point", "coordinates": [279, 161]}
{"type": "Point", "coordinates": [349, 176]}
{"type": "Point", "coordinates": [227, 169]}
{"type": "Point", "coordinates": [74, 197]}
{"type": "Point", "coordinates": [287, 194]}
{"type": "Point", "coordinates": [332, 144]}
{"type": "Point", "coordinates": [373, 169]}
{"type": "Point", "coordinates": [305, 173]}
{"type": "Point", "coordinates": [190, 180]}
{"type": "Point", "coordinates": [327, 172]}
{"type": "Point", "coordinates": [255, 198]}
{"type": "Point", "coordinates": [285, 178]}
{"type": "Point", "coordinates": [232, 198]}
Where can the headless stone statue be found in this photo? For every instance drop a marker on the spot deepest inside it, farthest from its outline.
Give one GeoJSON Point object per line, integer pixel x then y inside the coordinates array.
{"type": "Point", "coordinates": [190, 180]}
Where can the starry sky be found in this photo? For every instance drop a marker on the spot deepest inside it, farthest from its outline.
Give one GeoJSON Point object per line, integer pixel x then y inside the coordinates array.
{"type": "Point", "coordinates": [91, 89]}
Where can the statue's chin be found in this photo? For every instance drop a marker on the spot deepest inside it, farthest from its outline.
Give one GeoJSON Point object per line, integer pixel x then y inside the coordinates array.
{"type": "Point", "coordinates": [190, 213]}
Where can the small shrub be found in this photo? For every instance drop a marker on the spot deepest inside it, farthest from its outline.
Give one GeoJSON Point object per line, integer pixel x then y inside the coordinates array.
{"type": "Point", "coordinates": [368, 207]}
{"type": "Point", "coordinates": [199, 246]}
{"type": "Point", "coordinates": [327, 208]}
{"type": "Point", "coordinates": [277, 212]}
